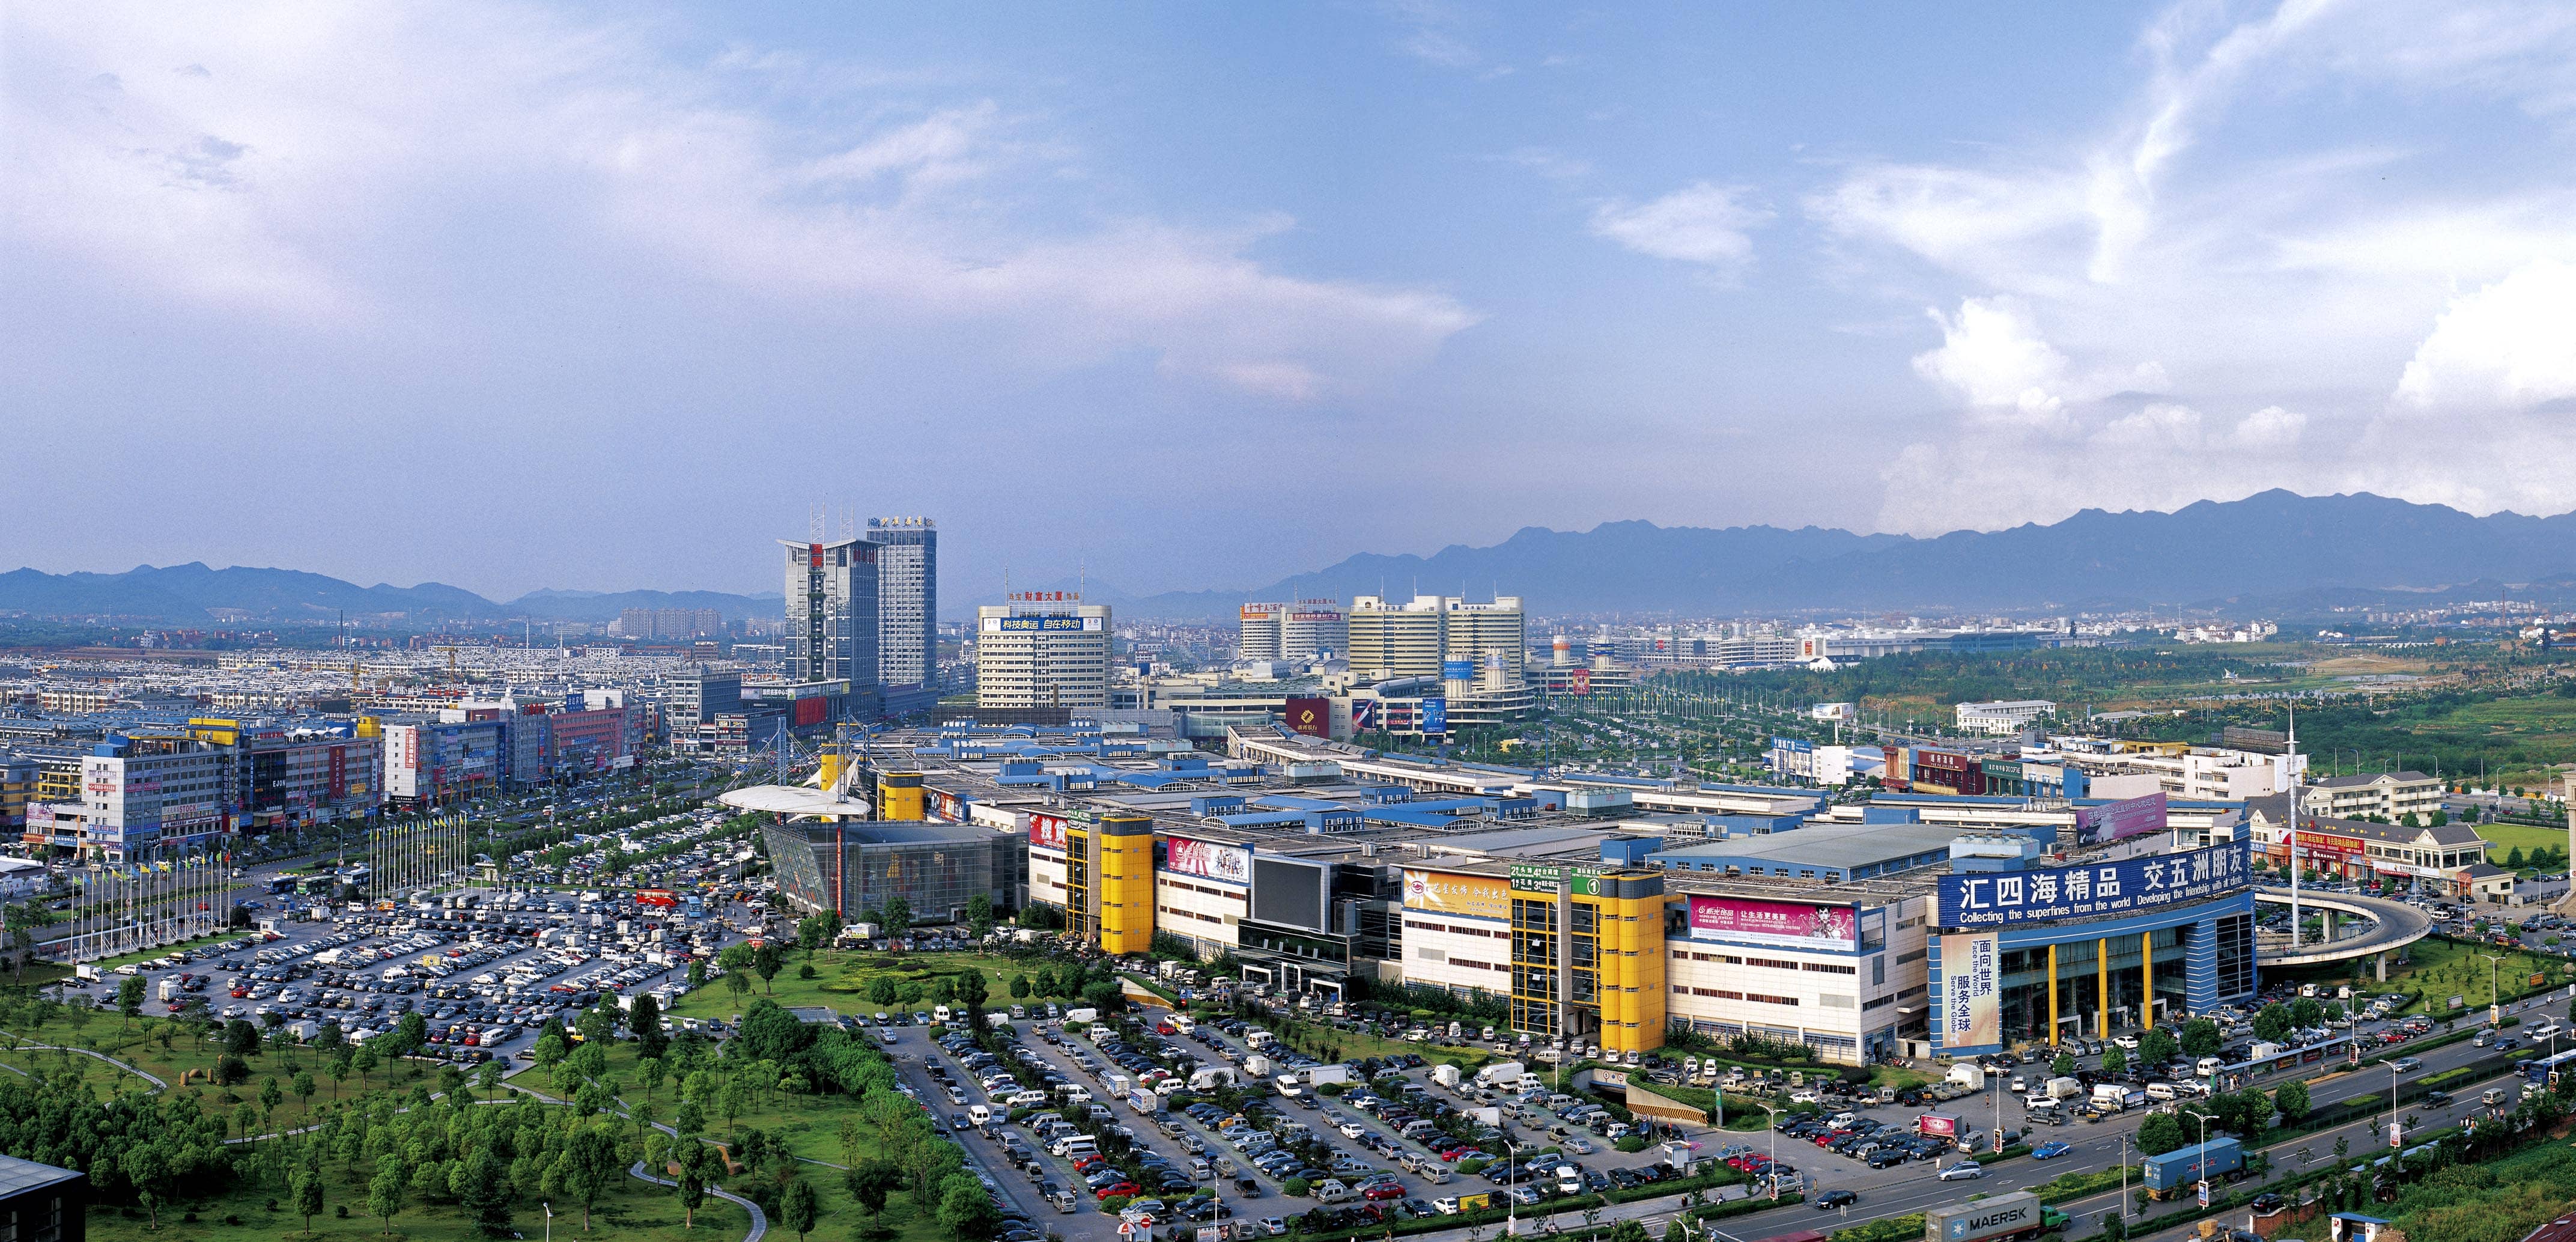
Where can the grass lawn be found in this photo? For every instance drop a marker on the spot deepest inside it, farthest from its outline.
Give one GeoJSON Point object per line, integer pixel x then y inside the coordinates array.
{"type": "Point", "coordinates": [201, 942]}
{"type": "Point", "coordinates": [841, 979]}
{"type": "Point", "coordinates": [633, 1211]}
{"type": "Point", "coordinates": [2524, 837]}
{"type": "Point", "coordinates": [2442, 969]}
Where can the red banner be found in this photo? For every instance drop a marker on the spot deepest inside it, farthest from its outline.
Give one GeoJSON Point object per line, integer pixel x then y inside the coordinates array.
{"type": "Point", "coordinates": [1312, 717]}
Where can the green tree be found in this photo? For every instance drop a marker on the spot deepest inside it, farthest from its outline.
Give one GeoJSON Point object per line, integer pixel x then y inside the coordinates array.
{"type": "Point", "coordinates": [690, 1119]}
{"type": "Point", "coordinates": [552, 1048]}
{"type": "Point", "coordinates": [693, 1184]}
{"type": "Point", "coordinates": [766, 962]}
{"type": "Point", "coordinates": [591, 1163]}
{"type": "Point", "coordinates": [2161, 1133]}
{"type": "Point", "coordinates": [973, 989]}
{"type": "Point", "coordinates": [979, 915]}
{"type": "Point", "coordinates": [898, 918]}
{"type": "Point", "coordinates": [485, 1194]}
{"type": "Point", "coordinates": [1629, 1230]}
{"type": "Point", "coordinates": [1019, 987]}
{"type": "Point", "coordinates": [2156, 1045]}
{"type": "Point", "coordinates": [884, 990]}
{"type": "Point", "coordinates": [385, 1190]}
{"type": "Point", "coordinates": [2291, 1099]}
{"type": "Point", "coordinates": [598, 1027]}
{"type": "Point", "coordinates": [305, 1087]}
{"type": "Point", "coordinates": [2305, 1012]}
{"type": "Point", "coordinates": [644, 1019]}
{"type": "Point", "coordinates": [652, 1070]}
{"type": "Point", "coordinates": [2114, 1060]}
{"type": "Point", "coordinates": [964, 1208]}
{"type": "Point", "coordinates": [129, 1001]}
{"type": "Point", "coordinates": [307, 1194]}
{"type": "Point", "coordinates": [870, 1184]}
{"type": "Point", "coordinates": [2062, 1066]}
{"type": "Point", "coordinates": [2272, 1023]}
{"type": "Point", "coordinates": [2200, 1038]}
{"type": "Point", "coordinates": [489, 1078]}
{"type": "Point", "coordinates": [2513, 859]}
{"type": "Point", "coordinates": [798, 1209]}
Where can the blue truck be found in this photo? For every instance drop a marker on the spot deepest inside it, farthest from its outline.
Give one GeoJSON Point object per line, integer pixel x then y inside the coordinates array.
{"type": "Point", "coordinates": [2178, 1171]}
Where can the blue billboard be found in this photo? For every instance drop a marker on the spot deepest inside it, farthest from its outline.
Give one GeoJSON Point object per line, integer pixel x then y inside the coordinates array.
{"type": "Point", "coordinates": [1457, 670]}
{"type": "Point", "coordinates": [2128, 886]}
{"type": "Point", "coordinates": [1434, 715]}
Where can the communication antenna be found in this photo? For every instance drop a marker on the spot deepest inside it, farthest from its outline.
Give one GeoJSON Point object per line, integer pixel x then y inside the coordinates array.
{"type": "Point", "coordinates": [814, 523]}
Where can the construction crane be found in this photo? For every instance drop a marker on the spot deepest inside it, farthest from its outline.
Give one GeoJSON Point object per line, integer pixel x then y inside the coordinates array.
{"type": "Point", "coordinates": [451, 659]}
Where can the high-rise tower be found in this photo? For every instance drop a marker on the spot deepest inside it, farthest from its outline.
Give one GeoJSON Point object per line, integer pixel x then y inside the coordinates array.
{"type": "Point", "coordinates": [832, 613]}
{"type": "Point", "coordinates": [907, 599]}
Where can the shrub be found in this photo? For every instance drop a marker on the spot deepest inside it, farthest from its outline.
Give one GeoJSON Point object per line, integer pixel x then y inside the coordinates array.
{"type": "Point", "coordinates": [1294, 1188]}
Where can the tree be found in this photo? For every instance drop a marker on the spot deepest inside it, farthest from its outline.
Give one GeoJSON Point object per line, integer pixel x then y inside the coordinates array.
{"type": "Point", "coordinates": [645, 1020]}
{"type": "Point", "coordinates": [2161, 1133]}
{"type": "Point", "coordinates": [1020, 988]}
{"type": "Point", "coordinates": [552, 1048]}
{"type": "Point", "coordinates": [898, 918]}
{"type": "Point", "coordinates": [241, 1039]}
{"type": "Point", "coordinates": [488, 1078]}
{"type": "Point", "coordinates": [884, 990]}
{"type": "Point", "coordinates": [2062, 1066]}
{"type": "Point", "coordinates": [652, 1070]}
{"type": "Point", "coordinates": [2305, 1012]}
{"type": "Point", "coordinates": [964, 1208]}
{"type": "Point", "coordinates": [697, 972]}
{"type": "Point", "coordinates": [2200, 1037]}
{"type": "Point", "coordinates": [385, 1190]}
{"type": "Point", "coordinates": [1629, 1230]}
{"type": "Point", "coordinates": [693, 1184]}
{"type": "Point", "coordinates": [308, 1199]}
{"type": "Point", "coordinates": [304, 1088]}
{"type": "Point", "coordinates": [129, 1001]}
{"type": "Point", "coordinates": [2291, 1099]}
{"type": "Point", "coordinates": [798, 1209]}
{"type": "Point", "coordinates": [591, 1163]}
{"type": "Point", "coordinates": [871, 1184]}
{"type": "Point", "coordinates": [979, 915]}
{"type": "Point", "coordinates": [2156, 1045]}
{"type": "Point", "coordinates": [690, 1119]}
{"type": "Point", "coordinates": [2272, 1023]}
{"type": "Point", "coordinates": [766, 962]}
{"type": "Point", "coordinates": [2114, 1060]}
{"type": "Point", "coordinates": [598, 1026]}
{"type": "Point", "coordinates": [486, 1194]}
{"type": "Point", "coordinates": [365, 1061]}
{"type": "Point", "coordinates": [2513, 859]}
{"type": "Point", "coordinates": [973, 989]}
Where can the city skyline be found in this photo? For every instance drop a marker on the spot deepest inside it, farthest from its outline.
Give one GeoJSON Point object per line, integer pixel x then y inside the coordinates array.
{"type": "Point", "coordinates": [1898, 271]}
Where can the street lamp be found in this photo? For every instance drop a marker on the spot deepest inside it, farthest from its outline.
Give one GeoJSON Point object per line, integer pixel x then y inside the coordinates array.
{"type": "Point", "coordinates": [1772, 1171]}
{"type": "Point", "coordinates": [2495, 1010]}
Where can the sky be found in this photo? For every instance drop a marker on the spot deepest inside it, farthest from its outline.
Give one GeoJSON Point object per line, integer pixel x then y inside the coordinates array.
{"type": "Point", "coordinates": [1195, 296]}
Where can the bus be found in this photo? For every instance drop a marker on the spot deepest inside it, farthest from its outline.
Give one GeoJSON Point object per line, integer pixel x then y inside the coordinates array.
{"type": "Point", "coordinates": [2547, 1068]}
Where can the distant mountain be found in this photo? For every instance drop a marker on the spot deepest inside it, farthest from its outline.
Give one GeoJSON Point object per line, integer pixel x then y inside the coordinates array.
{"type": "Point", "coordinates": [193, 594]}
{"type": "Point", "coordinates": [2271, 550]}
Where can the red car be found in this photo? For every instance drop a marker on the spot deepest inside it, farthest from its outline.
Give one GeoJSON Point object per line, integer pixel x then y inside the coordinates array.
{"type": "Point", "coordinates": [1088, 1163]}
{"type": "Point", "coordinates": [1115, 1189]}
{"type": "Point", "coordinates": [1382, 1191]}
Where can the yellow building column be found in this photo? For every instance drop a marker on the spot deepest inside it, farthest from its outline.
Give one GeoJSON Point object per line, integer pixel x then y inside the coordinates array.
{"type": "Point", "coordinates": [1630, 912]}
{"type": "Point", "coordinates": [2052, 994]}
{"type": "Point", "coordinates": [2102, 984]}
{"type": "Point", "coordinates": [899, 795]}
{"type": "Point", "coordinates": [2146, 979]}
{"type": "Point", "coordinates": [1125, 885]}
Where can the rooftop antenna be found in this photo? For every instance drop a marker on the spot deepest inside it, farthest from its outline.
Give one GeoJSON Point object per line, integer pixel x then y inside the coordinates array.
{"type": "Point", "coordinates": [814, 523]}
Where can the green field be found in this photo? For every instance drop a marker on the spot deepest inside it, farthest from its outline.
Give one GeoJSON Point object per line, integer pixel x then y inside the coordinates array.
{"type": "Point", "coordinates": [2441, 969]}
{"type": "Point", "coordinates": [841, 983]}
{"type": "Point", "coordinates": [2524, 837]}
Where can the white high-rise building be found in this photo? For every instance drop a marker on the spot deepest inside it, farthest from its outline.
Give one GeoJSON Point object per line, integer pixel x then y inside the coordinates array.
{"type": "Point", "coordinates": [832, 612]}
{"type": "Point", "coordinates": [1314, 628]}
{"type": "Point", "coordinates": [1258, 627]}
{"type": "Point", "coordinates": [1036, 652]}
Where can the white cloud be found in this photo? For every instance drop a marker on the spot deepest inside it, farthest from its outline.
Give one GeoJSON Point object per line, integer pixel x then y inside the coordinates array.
{"type": "Point", "coordinates": [2511, 344]}
{"type": "Point", "coordinates": [1699, 223]}
{"type": "Point", "coordinates": [2162, 455]}
{"type": "Point", "coordinates": [335, 172]}
{"type": "Point", "coordinates": [1992, 357]}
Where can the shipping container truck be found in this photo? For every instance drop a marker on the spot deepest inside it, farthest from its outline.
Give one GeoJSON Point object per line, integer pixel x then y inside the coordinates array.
{"type": "Point", "coordinates": [2019, 1215]}
{"type": "Point", "coordinates": [1939, 1125]}
{"type": "Point", "coordinates": [2181, 1169]}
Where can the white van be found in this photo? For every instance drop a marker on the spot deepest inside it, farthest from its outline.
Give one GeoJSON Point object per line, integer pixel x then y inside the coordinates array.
{"type": "Point", "coordinates": [2208, 1066]}
{"type": "Point", "coordinates": [1076, 1146]}
{"type": "Point", "coordinates": [978, 1114]}
{"type": "Point", "coordinates": [2160, 1091]}
{"type": "Point", "coordinates": [939, 1013]}
{"type": "Point", "coordinates": [1184, 1023]}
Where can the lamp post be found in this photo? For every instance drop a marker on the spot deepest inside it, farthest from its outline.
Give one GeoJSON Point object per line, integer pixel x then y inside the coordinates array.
{"type": "Point", "coordinates": [2124, 1177]}
{"type": "Point", "coordinates": [550, 1222]}
{"type": "Point", "coordinates": [1772, 1172]}
{"type": "Point", "coordinates": [2495, 1008]}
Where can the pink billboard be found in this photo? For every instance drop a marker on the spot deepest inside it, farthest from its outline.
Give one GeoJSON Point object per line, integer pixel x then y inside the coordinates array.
{"type": "Point", "coordinates": [1209, 860]}
{"type": "Point", "coordinates": [1789, 924]}
{"type": "Point", "coordinates": [2114, 821]}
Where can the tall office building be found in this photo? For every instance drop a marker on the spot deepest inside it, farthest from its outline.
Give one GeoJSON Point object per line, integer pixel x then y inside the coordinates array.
{"type": "Point", "coordinates": [832, 612]}
{"type": "Point", "coordinates": [1257, 636]}
{"type": "Point", "coordinates": [1412, 639]}
{"type": "Point", "coordinates": [1314, 628]}
{"type": "Point", "coordinates": [907, 599]}
{"type": "Point", "coordinates": [1042, 653]}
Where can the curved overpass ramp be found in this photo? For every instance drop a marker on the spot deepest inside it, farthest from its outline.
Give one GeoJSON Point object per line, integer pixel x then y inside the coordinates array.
{"type": "Point", "coordinates": [2393, 925]}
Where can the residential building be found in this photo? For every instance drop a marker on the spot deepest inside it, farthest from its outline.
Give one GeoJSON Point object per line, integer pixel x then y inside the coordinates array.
{"type": "Point", "coordinates": [2391, 796]}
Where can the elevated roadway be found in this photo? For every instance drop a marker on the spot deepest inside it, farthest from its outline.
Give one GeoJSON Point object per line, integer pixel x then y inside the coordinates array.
{"type": "Point", "coordinates": [2392, 925]}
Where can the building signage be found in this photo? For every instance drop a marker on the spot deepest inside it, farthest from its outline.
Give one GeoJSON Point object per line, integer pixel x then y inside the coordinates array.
{"type": "Point", "coordinates": [1433, 716]}
{"type": "Point", "coordinates": [1045, 597]}
{"type": "Point", "coordinates": [1971, 1012]}
{"type": "Point", "coordinates": [2334, 845]}
{"type": "Point", "coordinates": [1472, 896]}
{"type": "Point", "coordinates": [1580, 681]}
{"type": "Point", "coordinates": [1312, 717]}
{"type": "Point", "coordinates": [1042, 625]}
{"type": "Point", "coordinates": [1207, 859]}
{"type": "Point", "coordinates": [1788, 924]}
{"type": "Point", "coordinates": [1542, 878]}
{"type": "Point", "coordinates": [1793, 745]}
{"type": "Point", "coordinates": [2129, 886]}
{"type": "Point", "coordinates": [2003, 769]}
{"type": "Point", "coordinates": [1457, 670]}
{"type": "Point", "coordinates": [1046, 832]}
{"type": "Point", "coordinates": [2120, 820]}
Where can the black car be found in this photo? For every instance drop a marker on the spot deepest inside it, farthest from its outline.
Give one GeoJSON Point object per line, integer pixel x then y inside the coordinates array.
{"type": "Point", "coordinates": [1832, 1199]}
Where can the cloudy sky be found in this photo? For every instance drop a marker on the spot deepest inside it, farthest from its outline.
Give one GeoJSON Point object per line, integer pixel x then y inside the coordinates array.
{"type": "Point", "coordinates": [605, 296]}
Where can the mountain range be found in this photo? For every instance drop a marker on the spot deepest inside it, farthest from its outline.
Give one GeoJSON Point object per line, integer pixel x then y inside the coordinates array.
{"type": "Point", "coordinates": [2275, 553]}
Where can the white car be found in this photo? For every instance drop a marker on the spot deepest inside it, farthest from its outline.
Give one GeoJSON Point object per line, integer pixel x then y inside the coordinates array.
{"type": "Point", "coordinates": [1964, 1171]}
{"type": "Point", "coordinates": [2128, 1042]}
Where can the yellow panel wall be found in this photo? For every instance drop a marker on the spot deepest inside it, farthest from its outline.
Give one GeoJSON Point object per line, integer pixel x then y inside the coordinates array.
{"type": "Point", "coordinates": [899, 795]}
{"type": "Point", "coordinates": [1632, 963]}
{"type": "Point", "coordinates": [1126, 883]}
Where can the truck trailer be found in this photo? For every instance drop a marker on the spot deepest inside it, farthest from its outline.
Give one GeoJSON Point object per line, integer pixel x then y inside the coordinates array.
{"type": "Point", "coordinates": [2018, 1215]}
{"type": "Point", "coordinates": [2183, 1167]}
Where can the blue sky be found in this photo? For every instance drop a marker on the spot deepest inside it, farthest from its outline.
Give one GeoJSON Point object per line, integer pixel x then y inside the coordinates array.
{"type": "Point", "coordinates": [604, 296]}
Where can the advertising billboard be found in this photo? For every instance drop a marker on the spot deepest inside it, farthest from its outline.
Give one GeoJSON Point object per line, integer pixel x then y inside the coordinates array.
{"type": "Point", "coordinates": [2128, 886]}
{"type": "Point", "coordinates": [1581, 879]}
{"type": "Point", "coordinates": [1042, 625]}
{"type": "Point", "coordinates": [1580, 681]}
{"type": "Point", "coordinates": [2330, 845]}
{"type": "Point", "coordinates": [1793, 745]}
{"type": "Point", "coordinates": [1971, 1013]}
{"type": "Point", "coordinates": [1457, 670]}
{"type": "Point", "coordinates": [1434, 715]}
{"type": "Point", "coordinates": [1046, 832]}
{"type": "Point", "coordinates": [2120, 820]}
{"type": "Point", "coordinates": [1208, 860]}
{"type": "Point", "coordinates": [1469, 896]}
{"type": "Point", "coordinates": [1289, 892]}
{"type": "Point", "coordinates": [1788, 924]}
{"type": "Point", "coordinates": [1312, 717]}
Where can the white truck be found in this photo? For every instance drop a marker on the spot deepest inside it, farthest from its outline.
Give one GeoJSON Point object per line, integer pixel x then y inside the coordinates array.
{"type": "Point", "coordinates": [2062, 1088]}
{"type": "Point", "coordinates": [1500, 1074]}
